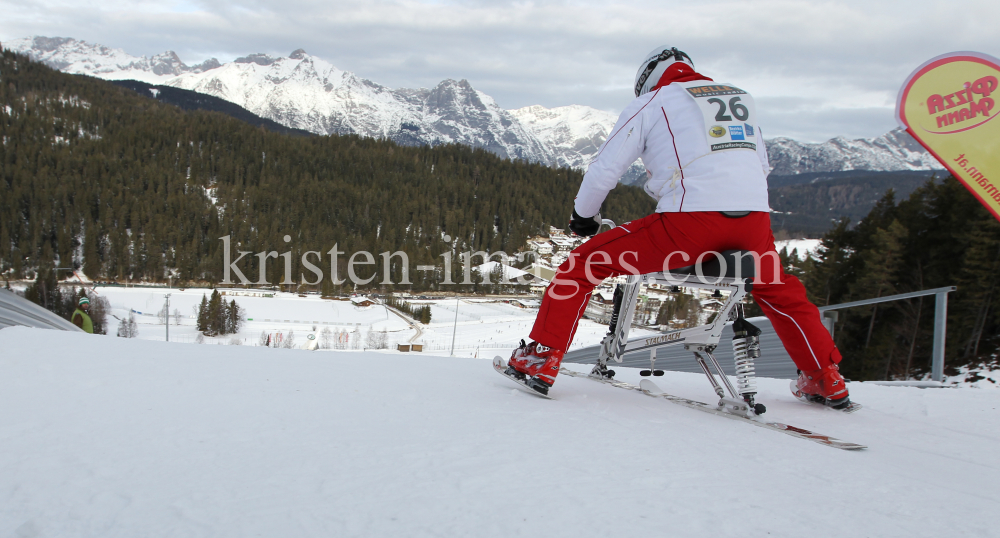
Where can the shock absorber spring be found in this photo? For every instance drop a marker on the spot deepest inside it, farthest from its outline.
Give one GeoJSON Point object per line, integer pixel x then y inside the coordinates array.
{"type": "Point", "coordinates": [746, 380]}
{"type": "Point", "coordinates": [746, 348]}
{"type": "Point", "coordinates": [616, 309]}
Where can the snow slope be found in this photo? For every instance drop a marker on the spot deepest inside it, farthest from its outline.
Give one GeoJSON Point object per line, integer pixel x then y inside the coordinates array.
{"type": "Point", "coordinates": [122, 438]}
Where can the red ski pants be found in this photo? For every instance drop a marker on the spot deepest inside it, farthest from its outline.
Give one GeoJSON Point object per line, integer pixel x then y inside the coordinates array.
{"type": "Point", "coordinates": [672, 240]}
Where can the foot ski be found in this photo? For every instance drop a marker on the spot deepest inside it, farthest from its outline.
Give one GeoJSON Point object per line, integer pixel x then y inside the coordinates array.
{"type": "Point", "coordinates": [818, 400]}
{"type": "Point", "coordinates": [500, 366]}
{"type": "Point", "coordinates": [649, 388]}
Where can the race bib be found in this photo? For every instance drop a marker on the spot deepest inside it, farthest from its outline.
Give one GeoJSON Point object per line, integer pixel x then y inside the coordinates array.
{"type": "Point", "coordinates": [728, 115]}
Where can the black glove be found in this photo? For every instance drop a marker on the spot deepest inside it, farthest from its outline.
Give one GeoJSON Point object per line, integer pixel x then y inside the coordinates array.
{"type": "Point", "coordinates": [585, 226]}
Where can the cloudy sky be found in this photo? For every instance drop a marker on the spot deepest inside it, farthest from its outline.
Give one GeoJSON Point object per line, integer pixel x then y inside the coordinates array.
{"type": "Point", "coordinates": [817, 69]}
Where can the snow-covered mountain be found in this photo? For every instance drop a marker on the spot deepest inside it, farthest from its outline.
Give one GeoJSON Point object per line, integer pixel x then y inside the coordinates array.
{"type": "Point", "coordinates": [574, 133]}
{"type": "Point", "coordinates": [306, 92]}
{"type": "Point", "coordinates": [895, 150]}
{"type": "Point", "coordinates": [82, 58]}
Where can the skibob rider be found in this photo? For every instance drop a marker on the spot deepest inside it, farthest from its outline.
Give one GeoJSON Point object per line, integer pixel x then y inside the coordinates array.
{"type": "Point", "coordinates": [707, 169]}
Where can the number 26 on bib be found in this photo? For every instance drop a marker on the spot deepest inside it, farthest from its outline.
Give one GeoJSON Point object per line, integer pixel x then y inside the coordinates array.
{"type": "Point", "coordinates": [728, 115]}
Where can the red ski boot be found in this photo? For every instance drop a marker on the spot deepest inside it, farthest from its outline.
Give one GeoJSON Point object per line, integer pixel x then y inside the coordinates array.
{"type": "Point", "coordinates": [538, 363]}
{"type": "Point", "coordinates": [825, 386]}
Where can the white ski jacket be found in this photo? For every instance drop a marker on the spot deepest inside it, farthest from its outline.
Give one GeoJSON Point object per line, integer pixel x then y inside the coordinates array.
{"type": "Point", "coordinates": [699, 143]}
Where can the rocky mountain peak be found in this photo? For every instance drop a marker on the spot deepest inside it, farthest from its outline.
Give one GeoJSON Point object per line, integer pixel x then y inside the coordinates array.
{"type": "Point", "coordinates": [210, 63]}
{"type": "Point", "coordinates": [454, 95]}
{"type": "Point", "coordinates": [259, 59]}
{"type": "Point", "coordinates": [49, 44]}
{"type": "Point", "coordinates": [167, 63]}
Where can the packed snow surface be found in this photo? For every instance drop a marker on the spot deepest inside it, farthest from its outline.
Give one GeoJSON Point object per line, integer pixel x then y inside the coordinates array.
{"type": "Point", "coordinates": [112, 437]}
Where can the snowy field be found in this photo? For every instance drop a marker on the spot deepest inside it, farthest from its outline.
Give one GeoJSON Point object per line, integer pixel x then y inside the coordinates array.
{"type": "Point", "coordinates": [483, 326]}
{"type": "Point", "coordinates": [111, 437]}
{"type": "Point", "coordinates": [805, 247]}
{"type": "Point", "coordinates": [489, 325]}
{"type": "Point", "coordinates": [283, 313]}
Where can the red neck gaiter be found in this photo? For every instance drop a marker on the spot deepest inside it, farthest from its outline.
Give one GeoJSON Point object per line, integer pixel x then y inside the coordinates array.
{"type": "Point", "coordinates": [679, 72]}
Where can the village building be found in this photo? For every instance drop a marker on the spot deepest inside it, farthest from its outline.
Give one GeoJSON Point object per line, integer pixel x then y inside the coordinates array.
{"type": "Point", "coordinates": [361, 301]}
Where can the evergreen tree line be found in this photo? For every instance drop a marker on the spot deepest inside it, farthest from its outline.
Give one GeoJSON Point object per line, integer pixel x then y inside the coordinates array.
{"type": "Point", "coordinates": [216, 317]}
{"type": "Point", "coordinates": [126, 187]}
{"type": "Point", "coordinates": [418, 313]}
{"type": "Point", "coordinates": [939, 236]}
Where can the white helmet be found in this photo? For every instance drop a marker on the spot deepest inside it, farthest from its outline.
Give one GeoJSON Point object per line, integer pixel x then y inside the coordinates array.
{"type": "Point", "coordinates": [654, 64]}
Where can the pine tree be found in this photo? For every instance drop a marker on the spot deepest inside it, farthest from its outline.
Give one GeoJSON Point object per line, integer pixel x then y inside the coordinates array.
{"type": "Point", "coordinates": [216, 315]}
{"type": "Point", "coordinates": [234, 318]}
{"type": "Point", "coordinates": [91, 252]}
{"type": "Point", "coordinates": [203, 314]}
{"type": "Point", "coordinates": [979, 273]}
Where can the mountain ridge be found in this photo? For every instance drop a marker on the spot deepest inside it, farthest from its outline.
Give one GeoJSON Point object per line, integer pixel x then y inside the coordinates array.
{"type": "Point", "coordinates": [305, 92]}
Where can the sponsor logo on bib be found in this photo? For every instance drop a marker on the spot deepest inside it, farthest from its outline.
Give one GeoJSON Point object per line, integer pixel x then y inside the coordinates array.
{"type": "Point", "coordinates": [727, 113]}
{"type": "Point", "coordinates": [714, 90]}
{"type": "Point", "coordinates": [734, 145]}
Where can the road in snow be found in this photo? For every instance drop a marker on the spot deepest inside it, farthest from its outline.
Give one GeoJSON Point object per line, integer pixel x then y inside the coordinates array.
{"type": "Point", "coordinates": [111, 437]}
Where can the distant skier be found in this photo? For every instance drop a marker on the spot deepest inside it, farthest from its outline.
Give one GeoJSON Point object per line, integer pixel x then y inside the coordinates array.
{"type": "Point", "coordinates": [707, 169]}
{"type": "Point", "coordinates": [81, 318]}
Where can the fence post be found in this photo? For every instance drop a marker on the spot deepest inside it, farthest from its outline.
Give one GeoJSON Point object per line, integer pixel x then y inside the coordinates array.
{"type": "Point", "coordinates": [940, 322]}
{"type": "Point", "coordinates": [830, 318]}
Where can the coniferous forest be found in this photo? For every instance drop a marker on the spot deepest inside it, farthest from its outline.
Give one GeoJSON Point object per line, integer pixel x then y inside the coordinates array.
{"type": "Point", "coordinates": [127, 187]}
{"type": "Point", "coordinates": [939, 236]}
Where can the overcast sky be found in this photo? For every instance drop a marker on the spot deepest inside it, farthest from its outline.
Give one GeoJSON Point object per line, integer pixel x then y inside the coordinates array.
{"type": "Point", "coordinates": [816, 69]}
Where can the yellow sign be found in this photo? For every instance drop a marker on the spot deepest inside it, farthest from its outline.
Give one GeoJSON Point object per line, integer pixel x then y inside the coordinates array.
{"type": "Point", "coordinates": [949, 105]}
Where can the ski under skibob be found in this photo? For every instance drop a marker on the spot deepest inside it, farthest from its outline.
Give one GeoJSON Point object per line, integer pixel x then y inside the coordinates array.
{"type": "Point", "coordinates": [649, 388]}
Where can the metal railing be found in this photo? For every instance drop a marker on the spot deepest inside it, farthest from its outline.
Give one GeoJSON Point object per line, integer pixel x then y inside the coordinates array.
{"type": "Point", "coordinates": [940, 320]}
